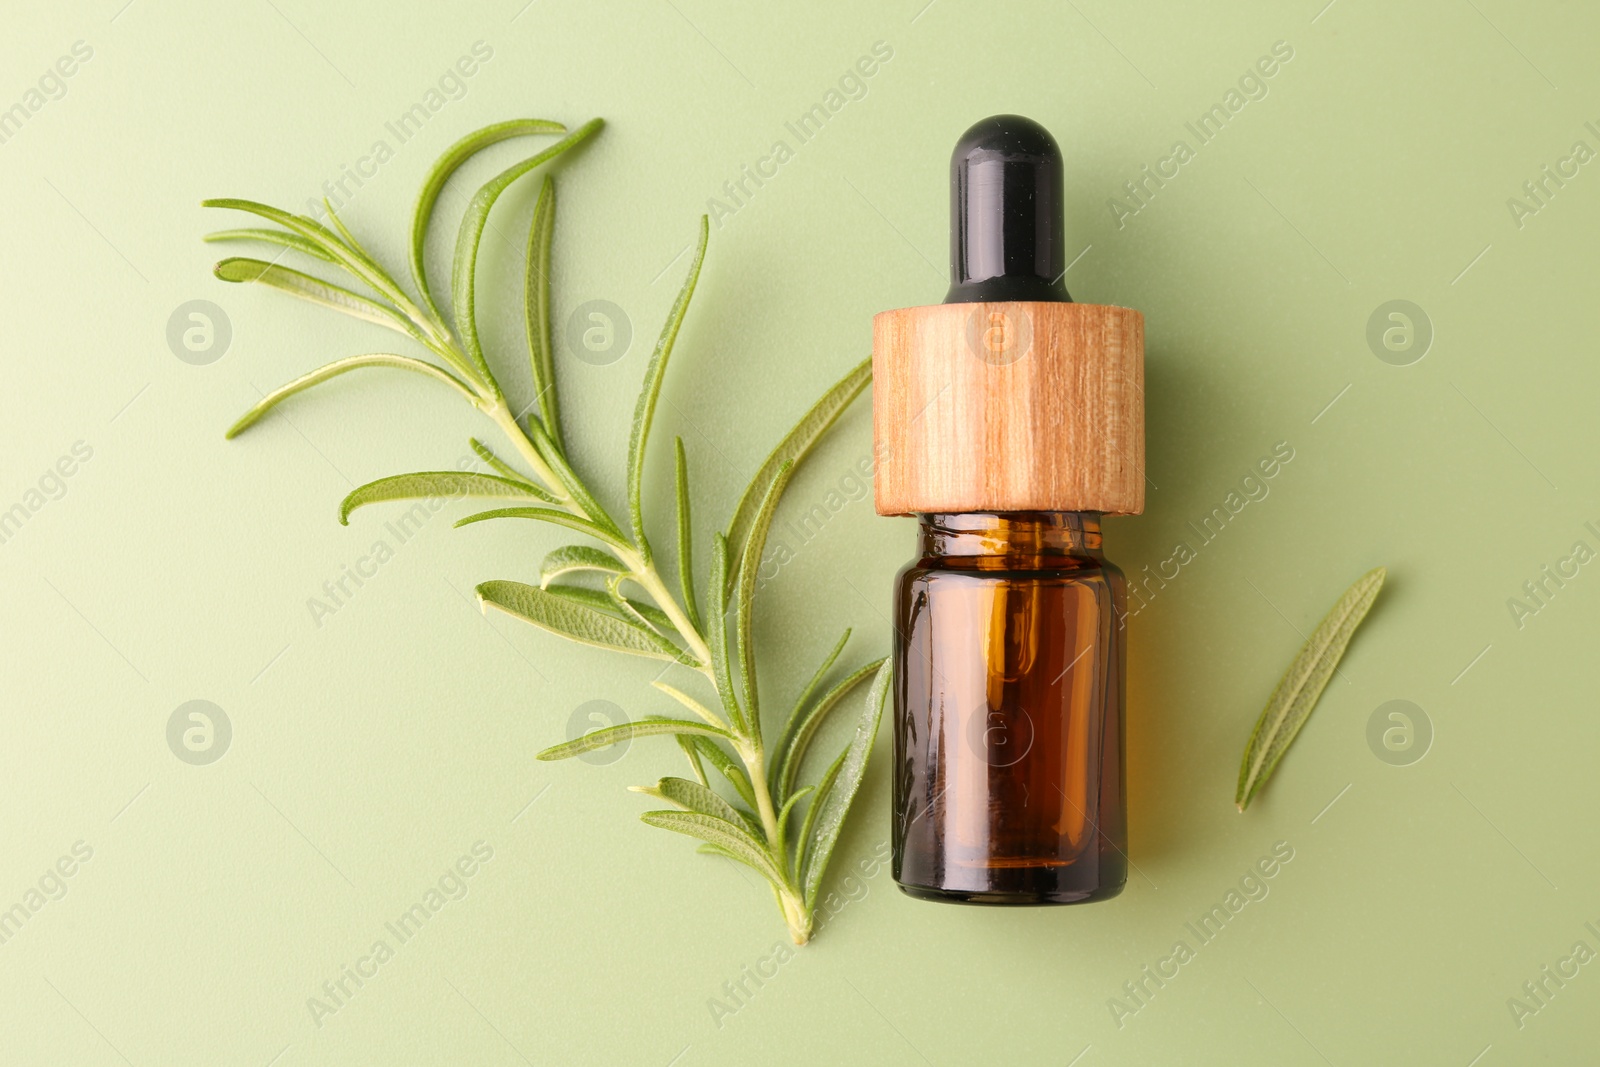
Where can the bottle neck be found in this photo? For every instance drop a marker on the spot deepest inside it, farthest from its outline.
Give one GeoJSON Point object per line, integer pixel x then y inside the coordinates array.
{"type": "Point", "coordinates": [1011, 534]}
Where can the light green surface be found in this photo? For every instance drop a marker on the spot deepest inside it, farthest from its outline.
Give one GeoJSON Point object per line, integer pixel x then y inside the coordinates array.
{"type": "Point", "coordinates": [371, 752]}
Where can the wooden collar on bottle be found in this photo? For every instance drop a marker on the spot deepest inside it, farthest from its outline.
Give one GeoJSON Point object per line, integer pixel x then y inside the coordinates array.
{"type": "Point", "coordinates": [1013, 406]}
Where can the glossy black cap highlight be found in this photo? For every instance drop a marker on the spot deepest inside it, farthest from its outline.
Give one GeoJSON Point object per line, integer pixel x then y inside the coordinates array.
{"type": "Point", "coordinates": [1006, 239]}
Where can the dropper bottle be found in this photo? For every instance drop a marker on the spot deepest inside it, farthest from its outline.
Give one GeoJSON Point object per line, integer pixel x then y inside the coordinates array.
{"type": "Point", "coordinates": [1009, 419]}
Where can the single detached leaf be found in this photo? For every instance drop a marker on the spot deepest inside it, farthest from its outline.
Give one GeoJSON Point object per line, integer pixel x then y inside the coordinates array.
{"type": "Point", "coordinates": [447, 484]}
{"type": "Point", "coordinates": [571, 619]}
{"type": "Point", "coordinates": [791, 749]}
{"type": "Point", "coordinates": [281, 238]}
{"type": "Point", "coordinates": [338, 367]}
{"type": "Point", "coordinates": [293, 282]}
{"type": "Point", "coordinates": [645, 409]}
{"type": "Point", "coordinates": [541, 357]}
{"type": "Point", "coordinates": [1302, 684]}
{"type": "Point", "coordinates": [831, 809]}
{"type": "Point", "coordinates": [573, 558]}
{"type": "Point", "coordinates": [606, 736]}
{"type": "Point", "coordinates": [443, 168]}
{"type": "Point", "coordinates": [463, 277]}
{"type": "Point", "coordinates": [792, 449]}
{"type": "Point", "coordinates": [692, 796]}
{"type": "Point", "coordinates": [733, 840]}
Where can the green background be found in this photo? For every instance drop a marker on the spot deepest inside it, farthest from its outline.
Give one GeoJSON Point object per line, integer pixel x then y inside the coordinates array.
{"type": "Point", "coordinates": [369, 752]}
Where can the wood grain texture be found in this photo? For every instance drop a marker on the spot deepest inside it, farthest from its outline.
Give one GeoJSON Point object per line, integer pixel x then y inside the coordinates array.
{"type": "Point", "coordinates": [1014, 406]}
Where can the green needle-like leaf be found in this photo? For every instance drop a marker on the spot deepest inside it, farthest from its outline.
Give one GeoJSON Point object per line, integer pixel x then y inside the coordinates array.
{"type": "Point", "coordinates": [312, 230]}
{"type": "Point", "coordinates": [692, 754]}
{"type": "Point", "coordinates": [341, 366]}
{"type": "Point", "coordinates": [717, 636]}
{"type": "Point", "coordinates": [744, 617]}
{"type": "Point", "coordinates": [1302, 684]}
{"type": "Point", "coordinates": [792, 449]}
{"type": "Point", "coordinates": [692, 796]}
{"type": "Point", "coordinates": [274, 237]}
{"type": "Point", "coordinates": [443, 168]}
{"type": "Point", "coordinates": [486, 454]}
{"type": "Point", "coordinates": [824, 831]}
{"type": "Point", "coordinates": [734, 841]}
{"type": "Point", "coordinates": [727, 766]}
{"type": "Point", "coordinates": [463, 277]}
{"type": "Point", "coordinates": [446, 484]}
{"type": "Point", "coordinates": [785, 741]}
{"type": "Point", "coordinates": [606, 736]}
{"type": "Point", "coordinates": [685, 537]}
{"type": "Point", "coordinates": [574, 558]}
{"type": "Point", "coordinates": [791, 750]}
{"type": "Point", "coordinates": [571, 619]}
{"type": "Point", "coordinates": [306, 287]}
{"type": "Point", "coordinates": [601, 601]}
{"type": "Point", "coordinates": [803, 841]}
{"type": "Point", "coordinates": [644, 411]}
{"type": "Point", "coordinates": [560, 518]}
{"type": "Point", "coordinates": [574, 485]}
{"type": "Point", "coordinates": [536, 306]}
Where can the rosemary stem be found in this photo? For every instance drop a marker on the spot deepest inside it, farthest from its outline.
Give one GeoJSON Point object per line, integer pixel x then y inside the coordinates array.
{"type": "Point", "coordinates": [644, 573]}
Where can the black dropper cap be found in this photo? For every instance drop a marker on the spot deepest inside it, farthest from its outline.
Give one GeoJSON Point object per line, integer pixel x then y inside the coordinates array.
{"type": "Point", "coordinates": [1006, 240]}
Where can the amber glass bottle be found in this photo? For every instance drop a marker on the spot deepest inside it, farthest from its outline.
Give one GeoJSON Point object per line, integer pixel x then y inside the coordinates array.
{"type": "Point", "coordinates": [1009, 420]}
{"type": "Point", "coordinates": [1008, 778]}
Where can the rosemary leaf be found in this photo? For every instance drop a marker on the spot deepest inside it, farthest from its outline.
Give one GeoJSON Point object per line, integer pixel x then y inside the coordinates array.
{"type": "Point", "coordinates": [606, 736]}
{"type": "Point", "coordinates": [744, 617]}
{"type": "Point", "coordinates": [785, 741]}
{"type": "Point", "coordinates": [829, 811]}
{"type": "Point", "coordinates": [791, 750]}
{"type": "Point", "coordinates": [692, 796]}
{"type": "Point", "coordinates": [541, 358]}
{"type": "Point", "coordinates": [574, 558]}
{"type": "Point", "coordinates": [655, 371]}
{"type": "Point", "coordinates": [424, 484]}
{"type": "Point", "coordinates": [295, 283]}
{"type": "Point", "coordinates": [731, 839]}
{"type": "Point", "coordinates": [685, 535]}
{"type": "Point", "coordinates": [336, 368]}
{"type": "Point", "coordinates": [571, 619]}
{"type": "Point", "coordinates": [281, 238]}
{"type": "Point", "coordinates": [793, 448]}
{"type": "Point", "coordinates": [448, 164]}
{"type": "Point", "coordinates": [463, 276]}
{"type": "Point", "coordinates": [713, 754]}
{"type": "Point", "coordinates": [560, 518]}
{"type": "Point", "coordinates": [1291, 703]}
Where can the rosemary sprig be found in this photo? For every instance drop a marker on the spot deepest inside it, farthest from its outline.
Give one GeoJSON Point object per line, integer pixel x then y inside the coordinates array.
{"type": "Point", "coordinates": [1302, 684]}
{"type": "Point", "coordinates": [756, 824]}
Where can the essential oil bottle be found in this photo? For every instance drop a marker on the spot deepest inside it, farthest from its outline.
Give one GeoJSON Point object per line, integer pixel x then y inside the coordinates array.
{"type": "Point", "coordinates": [1009, 419]}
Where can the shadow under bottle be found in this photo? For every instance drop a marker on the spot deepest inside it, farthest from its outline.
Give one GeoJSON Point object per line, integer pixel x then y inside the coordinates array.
{"type": "Point", "coordinates": [1008, 744]}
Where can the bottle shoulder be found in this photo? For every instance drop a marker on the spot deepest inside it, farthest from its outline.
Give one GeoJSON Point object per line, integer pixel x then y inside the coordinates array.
{"type": "Point", "coordinates": [999, 568]}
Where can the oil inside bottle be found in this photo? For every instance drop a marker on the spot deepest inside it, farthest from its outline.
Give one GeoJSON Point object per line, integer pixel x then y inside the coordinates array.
{"type": "Point", "coordinates": [1008, 741]}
